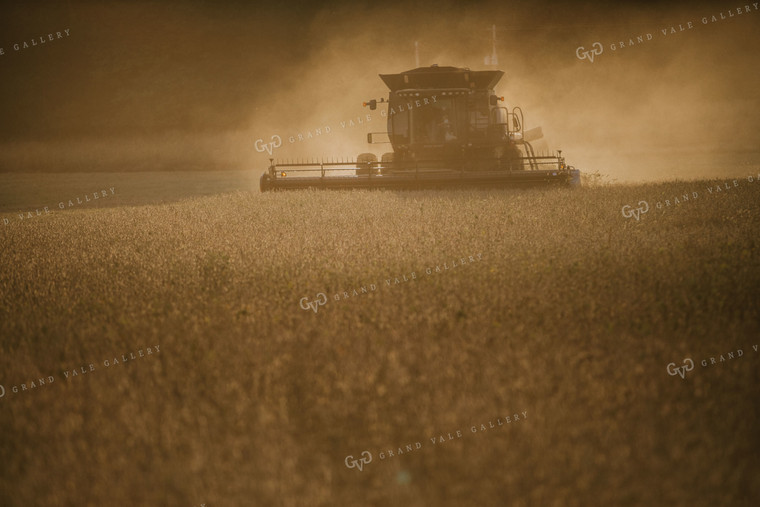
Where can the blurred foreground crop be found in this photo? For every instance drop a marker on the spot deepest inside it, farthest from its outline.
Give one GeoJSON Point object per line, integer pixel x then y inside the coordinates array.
{"type": "Point", "coordinates": [572, 314]}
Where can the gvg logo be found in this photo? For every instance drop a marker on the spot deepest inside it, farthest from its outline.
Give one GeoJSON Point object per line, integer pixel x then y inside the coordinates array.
{"type": "Point", "coordinates": [583, 54]}
{"type": "Point", "coordinates": [261, 146]}
{"type": "Point", "coordinates": [688, 365]}
{"type": "Point", "coordinates": [314, 305]}
{"type": "Point", "coordinates": [636, 213]}
{"type": "Point", "coordinates": [365, 459]}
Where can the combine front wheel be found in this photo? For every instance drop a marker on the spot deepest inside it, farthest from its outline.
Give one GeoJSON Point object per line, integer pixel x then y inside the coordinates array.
{"type": "Point", "coordinates": [265, 183]}
{"type": "Point", "coordinates": [364, 164]}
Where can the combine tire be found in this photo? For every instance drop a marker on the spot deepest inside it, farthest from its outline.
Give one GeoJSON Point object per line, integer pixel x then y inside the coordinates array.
{"type": "Point", "coordinates": [575, 178]}
{"type": "Point", "coordinates": [365, 159]}
{"type": "Point", "coordinates": [387, 163]}
{"type": "Point", "coordinates": [264, 183]}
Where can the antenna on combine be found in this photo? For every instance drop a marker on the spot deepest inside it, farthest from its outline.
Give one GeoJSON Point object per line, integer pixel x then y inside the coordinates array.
{"type": "Point", "coordinates": [493, 59]}
{"type": "Point", "coordinates": [416, 55]}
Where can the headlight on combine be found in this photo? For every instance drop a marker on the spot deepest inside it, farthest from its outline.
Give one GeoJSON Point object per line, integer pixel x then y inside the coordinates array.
{"type": "Point", "coordinates": [283, 174]}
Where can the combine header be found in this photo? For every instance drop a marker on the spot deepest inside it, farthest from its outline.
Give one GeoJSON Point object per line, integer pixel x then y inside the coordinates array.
{"type": "Point", "coordinates": [447, 130]}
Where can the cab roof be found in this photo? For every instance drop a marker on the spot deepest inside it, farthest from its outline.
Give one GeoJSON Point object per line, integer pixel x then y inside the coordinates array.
{"type": "Point", "coordinates": [442, 77]}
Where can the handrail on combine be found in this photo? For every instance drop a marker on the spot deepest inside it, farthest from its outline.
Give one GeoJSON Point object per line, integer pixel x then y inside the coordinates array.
{"type": "Point", "coordinates": [521, 121]}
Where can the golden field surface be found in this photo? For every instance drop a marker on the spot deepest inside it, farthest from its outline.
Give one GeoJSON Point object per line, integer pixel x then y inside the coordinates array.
{"type": "Point", "coordinates": [568, 314]}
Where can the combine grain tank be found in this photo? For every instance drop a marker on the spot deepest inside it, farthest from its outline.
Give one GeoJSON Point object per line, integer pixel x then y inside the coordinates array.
{"type": "Point", "coordinates": [447, 129]}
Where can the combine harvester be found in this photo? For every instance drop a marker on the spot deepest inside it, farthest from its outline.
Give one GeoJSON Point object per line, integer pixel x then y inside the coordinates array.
{"type": "Point", "coordinates": [447, 130]}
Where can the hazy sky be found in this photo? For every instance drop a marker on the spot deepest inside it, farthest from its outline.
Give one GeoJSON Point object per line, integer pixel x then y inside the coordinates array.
{"type": "Point", "coordinates": [142, 85]}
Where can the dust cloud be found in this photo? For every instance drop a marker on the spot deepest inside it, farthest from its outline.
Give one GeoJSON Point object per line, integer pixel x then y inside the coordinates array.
{"type": "Point", "coordinates": [192, 85]}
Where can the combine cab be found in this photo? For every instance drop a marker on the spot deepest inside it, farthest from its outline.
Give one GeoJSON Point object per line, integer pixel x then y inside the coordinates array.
{"type": "Point", "coordinates": [447, 129]}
